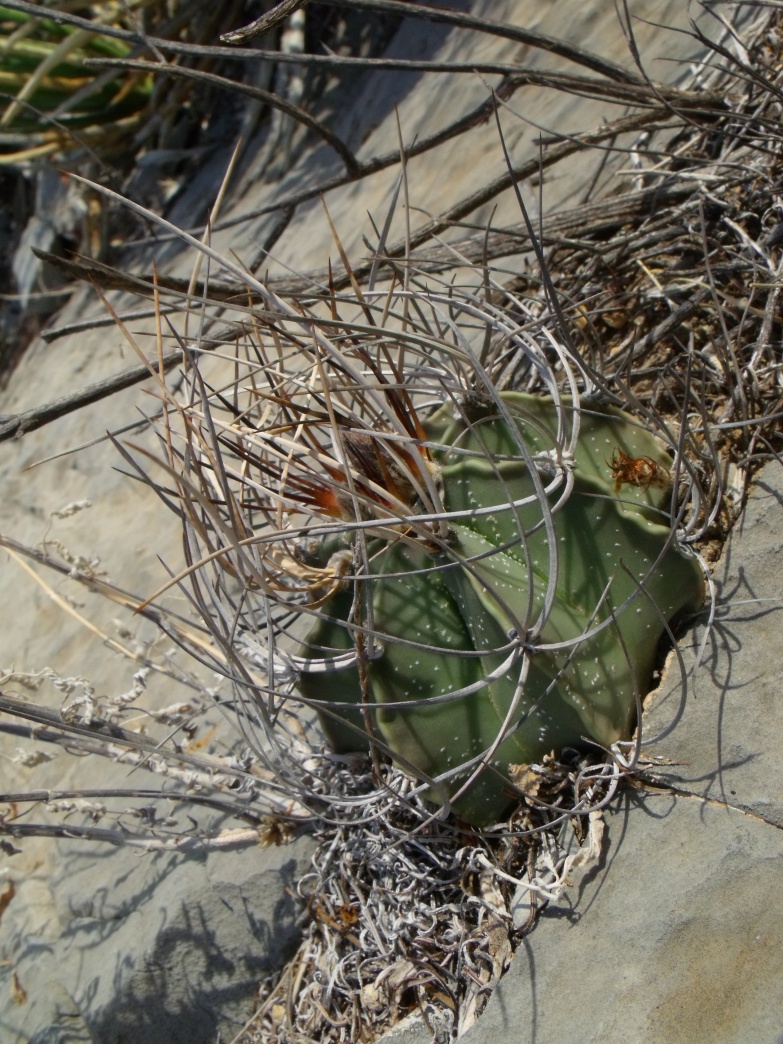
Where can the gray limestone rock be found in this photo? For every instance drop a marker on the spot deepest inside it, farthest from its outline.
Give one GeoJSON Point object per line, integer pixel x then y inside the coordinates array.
{"type": "Point", "coordinates": [147, 949]}
{"type": "Point", "coordinates": [725, 741]}
{"type": "Point", "coordinates": [675, 939]}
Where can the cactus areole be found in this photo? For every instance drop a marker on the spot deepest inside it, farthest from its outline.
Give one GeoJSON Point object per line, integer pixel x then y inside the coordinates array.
{"type": "Point", "coordinates": [528, 623]}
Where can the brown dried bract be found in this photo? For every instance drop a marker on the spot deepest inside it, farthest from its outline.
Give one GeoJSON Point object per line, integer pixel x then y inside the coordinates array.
{"type": "Point", "coordinates": [18, 992]}
{"type": "Point", "coordinates": [6, 896]}
{"type": "Point", "coordinates": [636, 471]}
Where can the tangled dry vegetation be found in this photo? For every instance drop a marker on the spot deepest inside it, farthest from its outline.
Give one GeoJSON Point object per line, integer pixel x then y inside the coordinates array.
{"type": "Point", "coordinates": [668, 296]}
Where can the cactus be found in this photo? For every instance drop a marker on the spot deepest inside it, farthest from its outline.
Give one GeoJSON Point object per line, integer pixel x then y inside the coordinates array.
{"type": "Point", "coordinates": [490, 647]}
{"type": "Point", "coordinates": [51, 89]}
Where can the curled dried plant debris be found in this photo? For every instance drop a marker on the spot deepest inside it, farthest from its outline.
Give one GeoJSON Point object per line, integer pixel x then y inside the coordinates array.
{"type": "Point", "coordinates": [400, 919]}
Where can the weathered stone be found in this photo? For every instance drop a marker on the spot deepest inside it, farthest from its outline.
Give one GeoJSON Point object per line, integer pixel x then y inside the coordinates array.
{"type": "Point", "coordinates": [364, 116]}
{"type": "Point", "coordinates": [727, 739]}
{"type": "Point", "coordinates": [675, 938]}
{"type": "Point", "coordinates": [148, 948]}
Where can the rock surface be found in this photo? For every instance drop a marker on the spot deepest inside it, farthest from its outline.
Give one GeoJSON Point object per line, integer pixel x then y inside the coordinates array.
{"type": "Point", "coordinates": [726, 743]}
{"type": "Point", "coordinates": [108, 946]}
{"type": "Point", "coordinates": [149, 949]}
{"type": "Point", "coordinates": [675, 939]}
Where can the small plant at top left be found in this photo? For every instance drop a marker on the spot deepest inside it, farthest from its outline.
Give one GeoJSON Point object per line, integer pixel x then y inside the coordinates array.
{"type": "Point", "coordinates": [51, 94]}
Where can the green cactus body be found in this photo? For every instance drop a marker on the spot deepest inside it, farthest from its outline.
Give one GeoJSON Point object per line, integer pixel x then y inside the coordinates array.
{"type": "Point", "coordinates": [470, 614]}
{"type": "Point", "coordinates": [79, 96]}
